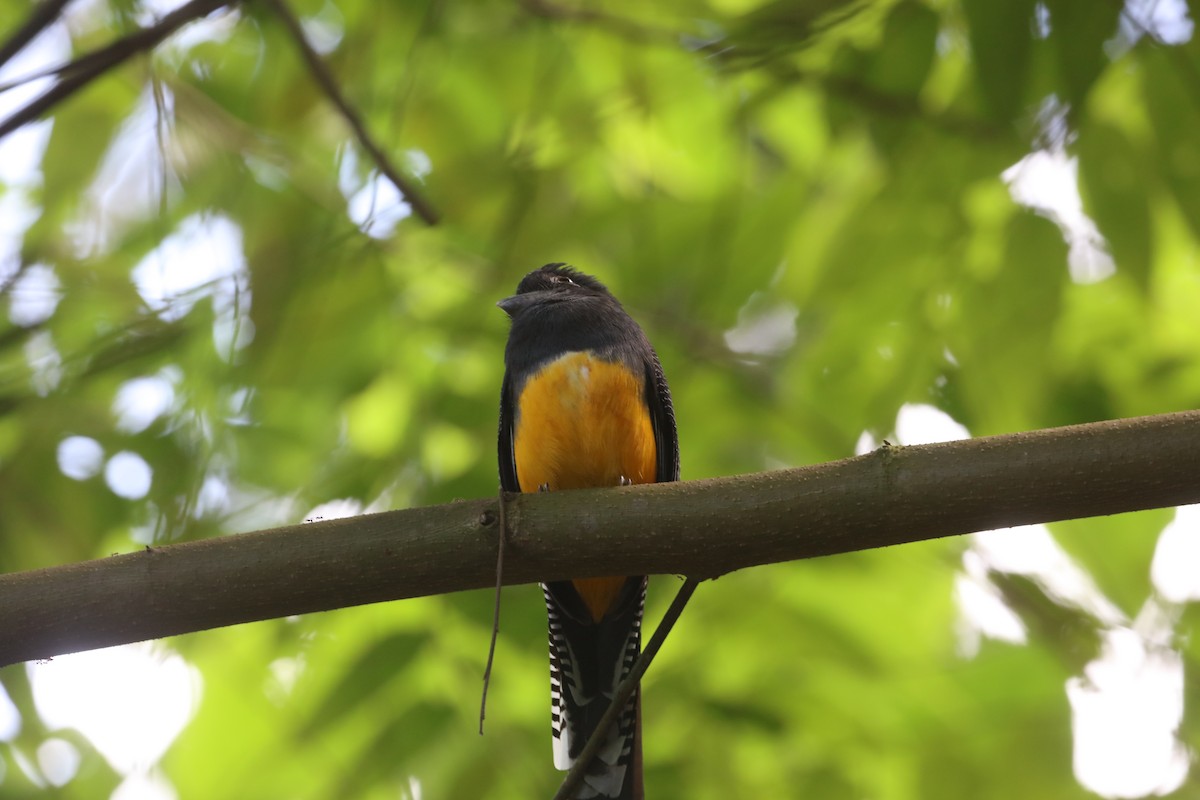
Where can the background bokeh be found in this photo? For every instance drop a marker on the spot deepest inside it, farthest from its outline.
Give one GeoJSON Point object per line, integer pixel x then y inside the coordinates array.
{"type": "Point", "coordinates": [838, 222]}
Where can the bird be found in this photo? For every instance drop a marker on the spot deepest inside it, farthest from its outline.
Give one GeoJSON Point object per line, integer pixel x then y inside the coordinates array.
{"type": "Point", "coordinates": [584, 403]}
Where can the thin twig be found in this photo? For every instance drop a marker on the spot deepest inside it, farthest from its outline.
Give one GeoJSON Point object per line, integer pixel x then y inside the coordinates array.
{"type": "Point", "coordinates": [628, 29]}
{"type": "Point", "coordinates": [39, 19]}
{"type": "Point", "coordinates": [487, 671]}
{"type": "Point", "coordinates": [89, 67]}
{"type": "Point", "coordinates": [329, 85]}
{"type": "Point", "coordinates": [628, 686]}
{"type": "Point", "coordinates": [731, 56]}
{"type": "Point", "coordinates": [882, 104]}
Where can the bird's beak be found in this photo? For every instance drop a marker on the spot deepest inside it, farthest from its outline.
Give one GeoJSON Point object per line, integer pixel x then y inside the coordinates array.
{"type": "Point", "coordinates": [511, 305]}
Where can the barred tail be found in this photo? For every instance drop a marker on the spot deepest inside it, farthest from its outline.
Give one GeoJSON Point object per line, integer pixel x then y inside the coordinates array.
{"type": "Point", "coordinates": [588, 660]}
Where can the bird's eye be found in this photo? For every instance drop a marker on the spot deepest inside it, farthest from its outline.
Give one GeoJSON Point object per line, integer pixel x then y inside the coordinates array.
{"type": "Point", "coordinates": [562, 279]}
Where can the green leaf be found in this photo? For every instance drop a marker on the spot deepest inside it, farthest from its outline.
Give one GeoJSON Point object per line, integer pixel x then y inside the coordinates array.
{"type": "Point", "coordinates": [1175, 114]}
{"type": "Point", "coordinates": [381, 663]}
{"type": "Point", "coordinates": [1001, 37]}
{"type": "Point", "coordinates": [901, 63]}
{"type": "Point", "coordinates": [1115, 195]}
{"type": "Point", "coordinates": [1078, 31]}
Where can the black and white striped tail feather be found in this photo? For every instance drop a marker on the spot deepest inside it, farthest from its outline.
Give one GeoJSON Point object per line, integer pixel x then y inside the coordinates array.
{"type": "Point", "coordinates": [606, 778]}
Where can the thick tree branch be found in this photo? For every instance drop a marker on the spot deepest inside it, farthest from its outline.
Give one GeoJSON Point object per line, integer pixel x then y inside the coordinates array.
{"type": "Point", "coordinates": [697, 528]}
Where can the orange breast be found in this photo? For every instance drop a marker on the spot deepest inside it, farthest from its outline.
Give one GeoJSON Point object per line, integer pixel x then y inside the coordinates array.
{"type": "Point", "coordinates": [583, 423]}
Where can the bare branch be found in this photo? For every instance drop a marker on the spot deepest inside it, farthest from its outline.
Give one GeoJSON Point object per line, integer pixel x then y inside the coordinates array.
{"type": "Point", "coordinates": [695, 528]}
{"type": "Point", "coordinates": [39, 19]}
{"type": "Point", "coordinates": [328, 84]}
{"type": "Point", "coordinates": [87, 68]}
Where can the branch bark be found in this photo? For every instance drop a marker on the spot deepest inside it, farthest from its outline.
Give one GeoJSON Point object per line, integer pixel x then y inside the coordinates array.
{"type": "Point", "coordinates": [697, 528]}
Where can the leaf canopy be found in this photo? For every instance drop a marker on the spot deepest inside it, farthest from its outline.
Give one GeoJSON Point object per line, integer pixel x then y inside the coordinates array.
{"type": "Point", "coordinates": [822, 213]}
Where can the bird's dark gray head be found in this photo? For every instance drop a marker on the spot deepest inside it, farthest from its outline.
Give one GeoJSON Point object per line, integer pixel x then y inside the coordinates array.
{"type": "Point", "coordinates": [552, 283]}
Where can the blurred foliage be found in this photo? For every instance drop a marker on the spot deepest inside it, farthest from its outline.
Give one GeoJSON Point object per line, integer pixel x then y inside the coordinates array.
{"type": "Point", "coordinates": [803, 205]}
